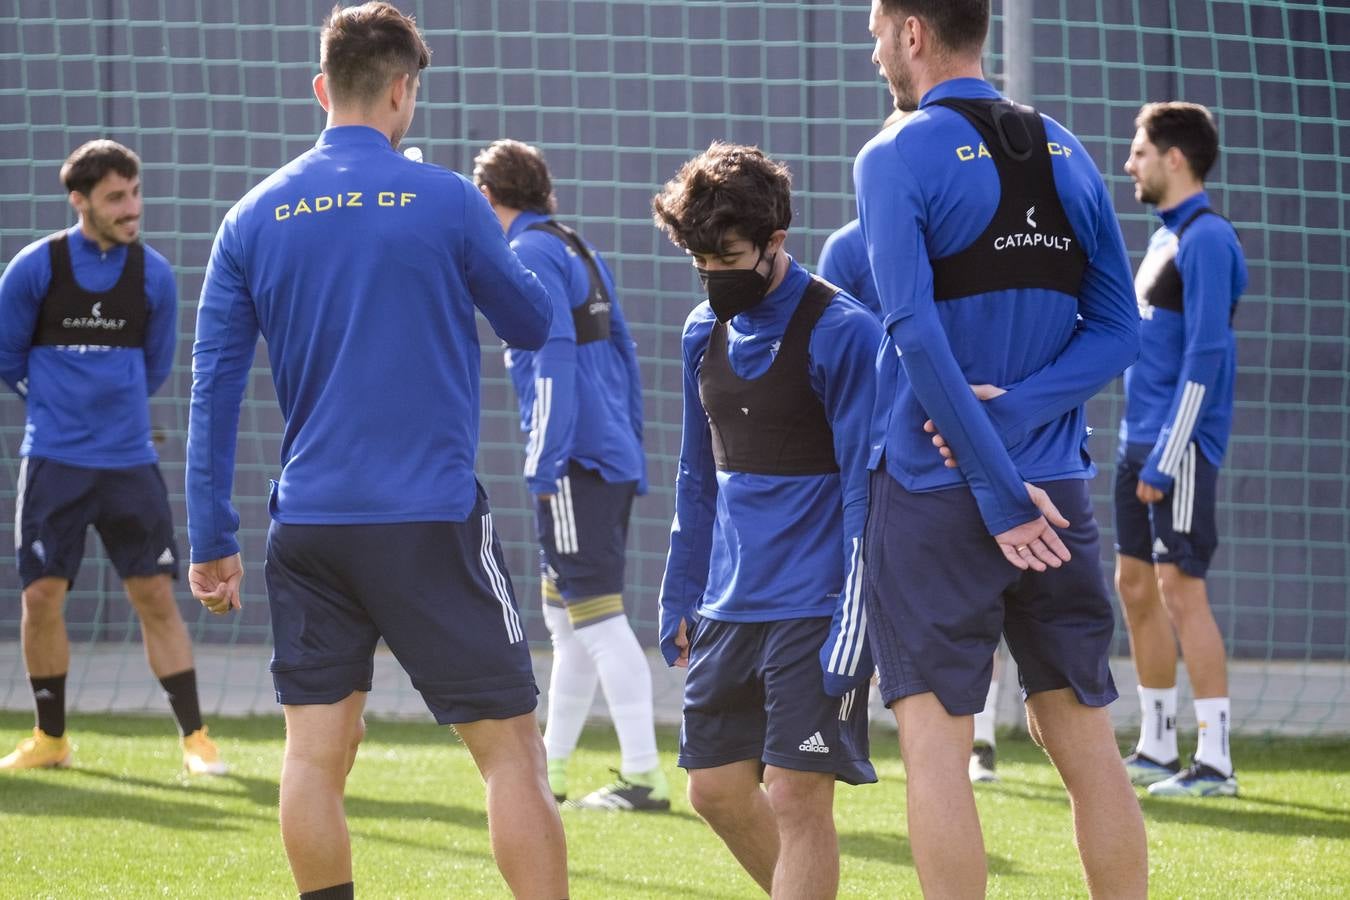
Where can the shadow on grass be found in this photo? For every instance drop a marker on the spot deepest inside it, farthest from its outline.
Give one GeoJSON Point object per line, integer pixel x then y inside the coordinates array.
{"type": "Point", "coordinates": [894, 848]}
{"type": "Point", "coordinates": [1249, 814]}
{"type": "Point", "coordinates": [97, 794]}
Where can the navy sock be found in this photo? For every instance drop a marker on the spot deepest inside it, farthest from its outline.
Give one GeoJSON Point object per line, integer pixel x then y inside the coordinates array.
{"type": "Point", "coordinates": [334, 892]}
{"type": "Point", "coordinates": [49, 697]}
{"type": "Point", "coordinates": [182, 692]}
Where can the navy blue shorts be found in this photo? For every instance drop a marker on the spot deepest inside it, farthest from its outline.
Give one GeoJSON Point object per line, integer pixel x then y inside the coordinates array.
{"type": "Point", "coordinates": [437, 592]}
{"type": "Point", "coordinates": [57, 503]}
{"type": "Point", "coordinates": [583, 531]}
{"type": "Point", "coordinates": [1181, 528]}
{"type": "Point", "coordinates": [938, 594]}
{"type": "Point", "coordinates": [755, 691]}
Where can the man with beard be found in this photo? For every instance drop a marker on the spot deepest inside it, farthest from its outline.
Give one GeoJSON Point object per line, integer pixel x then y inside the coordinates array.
{"type": "Point", "coordinates": [87, 329]}
{"type": "Point", "coordinates": [1005, 291]}
{"type": "Point", "coordinates": [761, 594]}
{"type": "Point", "coordinates": [1178, 412]}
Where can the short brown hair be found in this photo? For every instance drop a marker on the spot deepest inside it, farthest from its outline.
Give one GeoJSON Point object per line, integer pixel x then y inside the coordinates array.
{"type": "Point", "coordinates": [517, 176]}
{"type": "Point", "coordinates": [1187, 126]}
{"type": "Point", "coordinates": [363, 48]}
{"type": "Point", "coordinates": [959, 26]}
{"type": "Point", "coordinates": [726, 186]}
{"type": "Point", "coordinates": [90, 162]}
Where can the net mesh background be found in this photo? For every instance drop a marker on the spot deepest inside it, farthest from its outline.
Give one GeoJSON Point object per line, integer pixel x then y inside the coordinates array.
{"type": "Point", "coordinates": [214, 96]}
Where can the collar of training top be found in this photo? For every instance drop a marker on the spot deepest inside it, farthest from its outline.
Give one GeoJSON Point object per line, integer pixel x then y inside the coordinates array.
{"type": "Point", "coordinates": [353, 135]}
{"type": "Point", "coordinates": [959, 87]}
{"type": "Point", "coordinates": [1182, 211]}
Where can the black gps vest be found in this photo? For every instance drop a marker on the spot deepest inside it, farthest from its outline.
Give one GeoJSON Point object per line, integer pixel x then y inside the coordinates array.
{"type": "Point", "coordinates": [1029, 243]}
{"type": "Point", "coordinates": [70, 315]}
{"type": "Point", "coordinates": [591, 317]}
{"type": "Point", "coordinates": [774, 424]}
{"type": "Point", "coordinates": [1158, 281]}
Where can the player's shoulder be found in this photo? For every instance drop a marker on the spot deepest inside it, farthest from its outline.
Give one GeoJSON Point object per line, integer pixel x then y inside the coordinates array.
{"type": "Point", "coordinates": [156, 260]}
{"type": "Point", "coordinates": [847, 236]}
{"type": "Point", "coordinates": [847, 318]}
{"type": "Point", "coordinates": [1210, 227]}
{"type": "Point", "coordinates": [36, 252]}
{"type": "Point", "coordinates": [698, 324]}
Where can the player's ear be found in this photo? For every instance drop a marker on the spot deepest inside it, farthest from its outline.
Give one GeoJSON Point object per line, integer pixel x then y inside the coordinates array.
{"type": "Point", "coordinates": [776, 241]}
{"type": "Point", "coordinates": [78, 202]}
{"type": "Point", "coordinates": [321, 92]}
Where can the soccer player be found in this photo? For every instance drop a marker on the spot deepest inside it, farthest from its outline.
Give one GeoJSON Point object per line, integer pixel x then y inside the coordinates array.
{"type": "Point", "coordinates": [87, 328]}
{"type": "Point", "coordinates": [760, 598]}
{"type": "Point", "coordinates": [580, 402]}
{"type": "Point", "coordinates": [1006, 294]}
{"type": "Point", "coordinates": [1178, 412]}
{"type": "Point", "coordinates": [362, 269]}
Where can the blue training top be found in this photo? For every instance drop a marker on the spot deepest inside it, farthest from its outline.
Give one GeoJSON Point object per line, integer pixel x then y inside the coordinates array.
{"type": "Point", "coordinates": [576, 402]}
{"type": "Point", "coordinates": [926, 190]}
{"type": "Point", "coordinates": [1181, 389]}
{"type": "Point", "coordinates": [758, 548]}
{"type": "Point", "coordinates": [86, 404]}
{"type": "Point", "coordinates": [362, 270]}
{"type": "Point", "coordinates": [843, 263]}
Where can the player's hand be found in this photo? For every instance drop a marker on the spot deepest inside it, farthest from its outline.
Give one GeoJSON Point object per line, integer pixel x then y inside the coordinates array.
{"type": "Point", "coordinates": [546, 497]}
{"type": "Point", "coordinates": [1034, 545]}
{"type": "Point", "coordinates": [1147, 493]}
{"type": "Point", "coordinates": [682, 644]}
{"type": "Point", "coordinates": [216, 583]}
{"type": "Point", "coordinates": [981, 392]}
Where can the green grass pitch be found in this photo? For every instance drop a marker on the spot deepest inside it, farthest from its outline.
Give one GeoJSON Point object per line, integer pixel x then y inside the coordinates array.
{"type": "Point", "coordinates": [124, 823]}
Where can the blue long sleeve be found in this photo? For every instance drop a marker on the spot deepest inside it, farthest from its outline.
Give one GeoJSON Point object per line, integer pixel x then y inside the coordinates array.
{"type": "Point", "coordinates": [22, 287]}
{"type": "Point", "coordinates": [843, 263]}
{"type": "Point", "coordinates": [627, 351]}
{"type": "Point", "coordinates": [222, 354]}
{"type": "Point", "coordinates": [554, 416]}
{"type": "Point", "coordinates": [161, 333]}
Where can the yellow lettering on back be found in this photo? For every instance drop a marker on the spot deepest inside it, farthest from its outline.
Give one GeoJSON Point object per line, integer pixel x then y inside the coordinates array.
{"type": "Point", "coordinates": [354, 198]}
{"type": "Point", "coordinates": [965, 154]}
{"type": "Point", "coordinates": [405, 199]}
{"type": "Point", "coordinates": [1055, 149]}
{"type": "Point", "coordinates": [283, 212]}
{"type": "Point", "coordinates": [385, 198]}
{"type": "Point", "coordinates": [302, 207]}
{"type": "Point", "coordinates": [323, 204]}
{"type": "Point", "coordinates": [984, 151]}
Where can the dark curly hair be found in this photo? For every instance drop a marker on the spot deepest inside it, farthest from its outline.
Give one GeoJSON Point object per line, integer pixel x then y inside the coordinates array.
{"type": "Point", "coordinates": [727, 186]}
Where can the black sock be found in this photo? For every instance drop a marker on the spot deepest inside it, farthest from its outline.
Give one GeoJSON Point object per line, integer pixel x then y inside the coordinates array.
{"type": "Point", "coordinates": [334, 892]}
{"type": "Point", "coordinates": [49, 696]}
{"type": "Point", "coordinates": [182, 692]}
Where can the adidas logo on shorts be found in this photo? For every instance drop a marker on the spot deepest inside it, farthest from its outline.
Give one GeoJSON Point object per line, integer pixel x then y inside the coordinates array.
{"type": "Point", "coordinates": [814, 744]}
{"type": "Point", "coordinates": [1159, 548]}
{"type": "Point", "coordinates": [165, 558]}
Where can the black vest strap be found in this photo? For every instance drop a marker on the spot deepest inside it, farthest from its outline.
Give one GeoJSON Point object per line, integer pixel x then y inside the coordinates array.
{"type": "Point", "coordinates": [591, 317]}
{"type": "Point", "coordinates": [1158, 282]}
{"type": "Point", "coordinates": [774, 424]}
{"type": "Point", "coordinates": [72, 316]}
{"type": "Point", "coordinates": [1029, 243]}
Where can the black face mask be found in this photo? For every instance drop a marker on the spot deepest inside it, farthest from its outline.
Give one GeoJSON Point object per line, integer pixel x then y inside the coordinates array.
{"type": "Point", "coordinates": [733, 291]}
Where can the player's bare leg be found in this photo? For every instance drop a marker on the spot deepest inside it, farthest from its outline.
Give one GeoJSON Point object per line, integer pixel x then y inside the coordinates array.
{"type": "Point", "coordinates": [168, 648]}
{"type": "Point", "coordinates": [1107, 823]}
{"type": "Point", "coordinates": [731, 801]}
{"type": "Point", "coordinates": [1152, 642]}
{"type": "Point", "coordinates": [1187, 605]}
{"type": "Point", "coordinates": [808, 847]}
{"type": "Point", "coordinates": [46, 646]}
{"type": "Point", "coordinates": [523, 822]}
{"type": "Point", "coordinates": [321, 742]}
{"type": "Point", "coordinates": [944, 825]}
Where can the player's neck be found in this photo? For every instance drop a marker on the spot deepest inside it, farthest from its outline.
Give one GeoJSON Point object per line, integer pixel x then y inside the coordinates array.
{"type": "Point", "coordinates": [338, 118]}
{"type": "Point", "coordinates": [965, 67]}
{"type": "Point", "coordinates": [1179, 194]}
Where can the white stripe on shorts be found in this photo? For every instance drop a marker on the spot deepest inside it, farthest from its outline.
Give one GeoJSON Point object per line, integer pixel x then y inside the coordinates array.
{"type": "Point", "coordinates": [510, 620]}
{"type": "Point", "coordinates": [19, 490]}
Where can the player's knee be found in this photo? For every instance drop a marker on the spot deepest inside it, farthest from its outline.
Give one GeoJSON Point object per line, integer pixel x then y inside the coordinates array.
{"type": "Point", "coordinates": [153, 598]}
{"type": "Point", "coordinates": [43, 599]}
{"type": "Point", "coordinates": [712, 802]}
{"type": "Point", "coordinates": [803, 801]}
{"type": "Point", "coordinates": [1182, 595]}
{"type": "Point", "coordinates": [1134, 584]}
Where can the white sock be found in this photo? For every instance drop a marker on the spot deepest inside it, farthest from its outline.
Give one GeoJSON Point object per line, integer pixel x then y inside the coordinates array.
{"type": "Point", "coordinates": [627, 683]}
{"type": "Point", "coordinates": [1211, 718]}
{"type": "Point", "coordinates": [571, 686]}
{"type": "Point", "coordinates": [1158, 730]}
{"type": "Point", "coordinates": [986, 718]}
